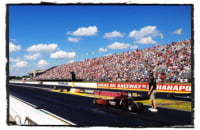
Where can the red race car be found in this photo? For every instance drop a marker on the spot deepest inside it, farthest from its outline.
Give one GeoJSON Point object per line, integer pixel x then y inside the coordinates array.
{"type": "Point", "coordinates": [122, 102]}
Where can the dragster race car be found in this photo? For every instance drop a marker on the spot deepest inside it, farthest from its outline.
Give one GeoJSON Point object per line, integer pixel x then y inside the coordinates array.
{"type": "Point", "coordinates": [121, 102]}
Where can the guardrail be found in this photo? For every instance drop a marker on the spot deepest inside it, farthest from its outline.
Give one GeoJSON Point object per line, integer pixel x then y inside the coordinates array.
{"type": "Point", "coordinates": [25, 113]}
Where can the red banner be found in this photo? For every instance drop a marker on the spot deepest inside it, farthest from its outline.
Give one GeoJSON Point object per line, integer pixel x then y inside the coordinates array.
{"type": "Point", "coordinates": [144, 87]}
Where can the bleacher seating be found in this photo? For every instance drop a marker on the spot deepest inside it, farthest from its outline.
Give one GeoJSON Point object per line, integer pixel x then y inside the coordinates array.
{"type": "Point", "coordinates": [173, 59]}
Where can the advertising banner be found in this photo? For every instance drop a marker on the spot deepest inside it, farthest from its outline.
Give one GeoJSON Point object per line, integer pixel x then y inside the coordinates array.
{"type": "Point", "coordinates": [174, 88]}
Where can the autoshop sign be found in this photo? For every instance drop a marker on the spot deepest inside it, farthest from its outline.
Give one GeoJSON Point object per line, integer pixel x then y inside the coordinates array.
{"type": "Point", "coordinates": [175, 88]}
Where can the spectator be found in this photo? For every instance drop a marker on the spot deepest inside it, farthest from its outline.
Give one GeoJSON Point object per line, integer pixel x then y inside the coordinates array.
{"type": "Point", "coordinates": [172, 59]}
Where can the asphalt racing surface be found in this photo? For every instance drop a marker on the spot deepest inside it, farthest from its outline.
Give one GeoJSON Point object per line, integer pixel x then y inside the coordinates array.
{"type": "Point", "coordinates": [81, 111]}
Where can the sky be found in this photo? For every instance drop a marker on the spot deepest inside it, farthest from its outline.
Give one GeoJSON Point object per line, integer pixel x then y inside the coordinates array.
{"type": "Point", "coordinates": [41, 36]}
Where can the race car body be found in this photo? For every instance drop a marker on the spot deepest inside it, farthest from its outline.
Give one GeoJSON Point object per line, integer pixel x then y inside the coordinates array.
{"type": "Point", "coordinates": [122, 102]}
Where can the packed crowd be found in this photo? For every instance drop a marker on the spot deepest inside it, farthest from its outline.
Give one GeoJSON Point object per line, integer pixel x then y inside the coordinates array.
{"type": "Point", "coordinates": [170, 62]}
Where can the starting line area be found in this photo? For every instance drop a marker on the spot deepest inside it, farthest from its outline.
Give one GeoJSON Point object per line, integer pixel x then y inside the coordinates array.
{"type": "Point", "coordinates": [161, 102]}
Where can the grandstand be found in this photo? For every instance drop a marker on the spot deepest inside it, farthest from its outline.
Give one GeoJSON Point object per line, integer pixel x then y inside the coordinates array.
{"type": "Point", "coordinates": [174, 60]}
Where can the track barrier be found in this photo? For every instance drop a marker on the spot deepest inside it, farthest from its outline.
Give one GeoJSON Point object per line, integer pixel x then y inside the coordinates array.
{"type": "Point", "coordinates": [28, 114]}
{"type": "Point", "coordinates": [168, 88]}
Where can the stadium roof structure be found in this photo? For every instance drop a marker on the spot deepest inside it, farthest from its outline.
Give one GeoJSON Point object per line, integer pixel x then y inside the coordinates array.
{"type": "Point", "coordinates": [37, 72]}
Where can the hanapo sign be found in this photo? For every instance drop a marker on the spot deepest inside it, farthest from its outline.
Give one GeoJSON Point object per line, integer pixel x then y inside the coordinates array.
{"type": "Point", "coordinates": [174, 88]}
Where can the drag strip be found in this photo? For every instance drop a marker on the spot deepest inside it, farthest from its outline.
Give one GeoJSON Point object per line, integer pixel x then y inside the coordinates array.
{"type": "Point", "coordinates": [82, 112]}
